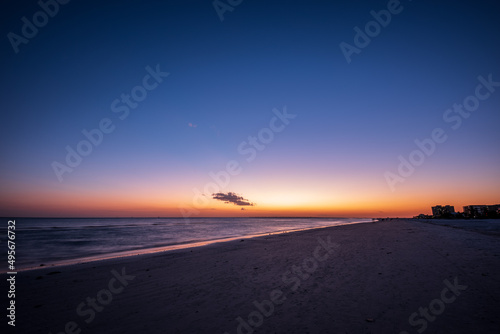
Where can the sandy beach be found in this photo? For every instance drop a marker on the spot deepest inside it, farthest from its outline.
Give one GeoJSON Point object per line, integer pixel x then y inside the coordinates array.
{"type": "Point", "coordinates": [397, 276]}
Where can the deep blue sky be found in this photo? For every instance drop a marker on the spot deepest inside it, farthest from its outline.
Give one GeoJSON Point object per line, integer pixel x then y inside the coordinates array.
{"type": "Point", "coordinates": [353, 121]}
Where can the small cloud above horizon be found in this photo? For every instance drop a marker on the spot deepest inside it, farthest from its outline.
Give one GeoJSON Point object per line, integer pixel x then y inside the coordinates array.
{"type": "Point", "coordinates": [234, 198]}
{"type": "Point", "coordinates": [191, 125]}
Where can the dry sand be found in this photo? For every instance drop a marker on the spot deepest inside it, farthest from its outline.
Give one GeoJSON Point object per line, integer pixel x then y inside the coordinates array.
{"type": "Point", "coordinates": [372, 281]}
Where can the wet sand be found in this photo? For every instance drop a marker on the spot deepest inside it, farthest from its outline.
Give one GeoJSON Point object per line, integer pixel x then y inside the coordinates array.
{"type": "Point", "coordinates": [385, 277]}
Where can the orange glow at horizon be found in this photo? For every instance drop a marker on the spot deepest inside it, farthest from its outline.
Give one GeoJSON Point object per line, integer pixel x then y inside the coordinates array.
{"type": "Point", "coordinates": [61, 205]}
{"type": "Point", "coordinates": [273, 196]}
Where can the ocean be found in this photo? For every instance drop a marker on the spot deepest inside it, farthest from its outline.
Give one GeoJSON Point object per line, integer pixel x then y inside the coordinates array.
{"type": "Point", "coordinates": [50, 241]}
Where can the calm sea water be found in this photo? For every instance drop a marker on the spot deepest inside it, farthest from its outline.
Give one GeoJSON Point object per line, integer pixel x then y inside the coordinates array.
{"type": "Point", "coordinates": [51, 241]}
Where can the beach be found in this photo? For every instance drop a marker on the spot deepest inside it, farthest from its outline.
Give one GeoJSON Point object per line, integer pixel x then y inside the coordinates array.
{"type": "Point", "coordinates": [393, 276]}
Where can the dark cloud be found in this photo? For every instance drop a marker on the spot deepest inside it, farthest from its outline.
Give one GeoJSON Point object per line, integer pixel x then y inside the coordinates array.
{"type": "Point", "coordinates": [232, 198]}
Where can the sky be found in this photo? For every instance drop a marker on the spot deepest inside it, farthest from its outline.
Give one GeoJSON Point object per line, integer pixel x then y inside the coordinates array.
{"type": "Point", "coordinates": [248, 108]}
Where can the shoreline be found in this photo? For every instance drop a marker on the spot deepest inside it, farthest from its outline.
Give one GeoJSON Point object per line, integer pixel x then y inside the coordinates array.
{"type": "Point", "coordinates": [167, 248]}
{"type": "Point", "coordinates": [356, 278]}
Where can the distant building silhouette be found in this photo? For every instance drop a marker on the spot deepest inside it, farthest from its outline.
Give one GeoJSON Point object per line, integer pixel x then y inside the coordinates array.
{"type": "Point", "coordinates": [440, 211]}
{"type": "Point", "coordinates": [470, 211]}
{"type": "Point", "coordinates": [482, 211]}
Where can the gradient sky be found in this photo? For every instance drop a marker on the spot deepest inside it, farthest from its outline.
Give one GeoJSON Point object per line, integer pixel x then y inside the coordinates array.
{"type": "Point", "coordinates": [353, 120]}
